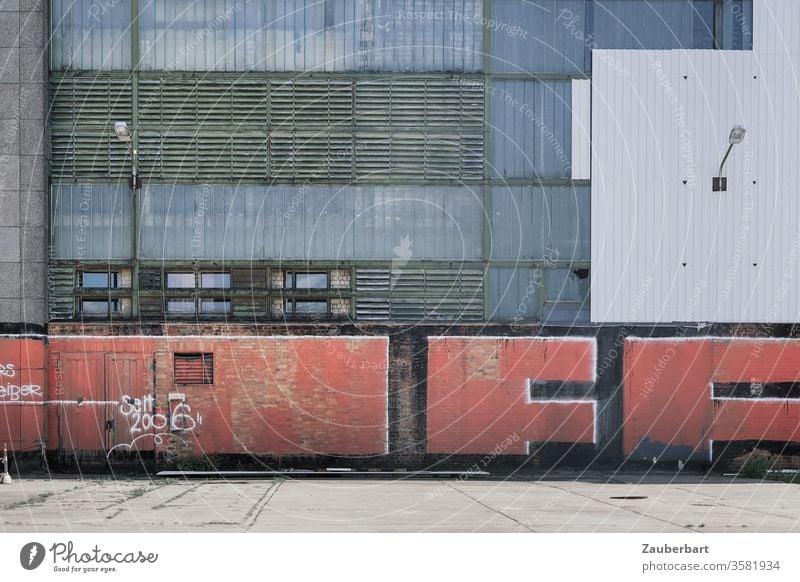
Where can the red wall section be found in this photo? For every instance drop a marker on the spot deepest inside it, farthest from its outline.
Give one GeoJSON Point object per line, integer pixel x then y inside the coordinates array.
{"type": "Point", "coordinates": [669, 411]}
{"type": "Point", "coordinates": [271, 395]}
{"type": "Point", "coordinates": [22, 392]}
{"type": "Point", "coordinates": [478, 393]}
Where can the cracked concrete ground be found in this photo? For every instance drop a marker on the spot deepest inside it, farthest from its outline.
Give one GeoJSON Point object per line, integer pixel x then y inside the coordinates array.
{"type": "Point", "coordinates": [561, 503]}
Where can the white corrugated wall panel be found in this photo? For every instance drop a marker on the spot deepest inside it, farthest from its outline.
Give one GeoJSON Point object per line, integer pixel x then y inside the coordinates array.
{"type": "Point", "coordinates": [665, 248]}
{"type": "Point", "coordinates": [775, 27]}
{"type": "Point", "coordinates": [581, 129]}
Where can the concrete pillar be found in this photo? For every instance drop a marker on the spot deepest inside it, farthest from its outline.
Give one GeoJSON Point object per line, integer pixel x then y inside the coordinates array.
{"type": "Point", "coordinates": [23, 184]}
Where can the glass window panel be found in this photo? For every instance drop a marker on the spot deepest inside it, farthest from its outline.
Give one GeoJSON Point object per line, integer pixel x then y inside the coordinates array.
{"type": "Point", "coordinates": [180, 305]}
{"type": "Point", "coordinates": [307, 306]}
{"type": "Point", "coordinates": [215, 280]}
{"type": "Point", "coordinates": [94, 280]}
{"type": "Point", "coordinates": [212, 306]}
{"type": "Point", "coordinates": [180, 280]}
{"type": "Point", "coordinates": [311, 280]}
{"type": "Point", "coordinates": [99, 306]}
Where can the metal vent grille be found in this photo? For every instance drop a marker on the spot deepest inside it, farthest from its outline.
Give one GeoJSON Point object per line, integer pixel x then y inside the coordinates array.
{"type": "Point", "coordinates": [442, 156]}
{"type": "Point", "coordinates": [311, 155]}
{"type": "Point", "coordinates": [420, 102]}
{"type": "Point", "coordinates": [60, 285]}
{"type": "Point", "coordinates": [194, 368]}
{"type": "Point", "coordinates": [170, 101]}
{"type": "Point", "coordinates": [99, 100]}
{"type": "Point", "coordinates": [82, 113]}
{"type": "Point", "coordinates": [312, 102]}
{"type": "Point", "coordinates": [217, 128]}
{"type": "Point", "coordinates": [177, 154]}
{"type": "Point", "coordinates": [428, 293]}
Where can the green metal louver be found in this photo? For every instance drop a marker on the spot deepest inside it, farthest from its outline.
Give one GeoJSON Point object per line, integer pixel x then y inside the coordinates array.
{"type": "Point", "coordinates": [61, 284]}
{"type": "Point", "coordinates": [430, 293]}
{"type": "Point", "coordinates": [217, 128]}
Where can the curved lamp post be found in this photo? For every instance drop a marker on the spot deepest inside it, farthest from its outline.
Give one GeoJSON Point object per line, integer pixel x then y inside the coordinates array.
{"type": "Point", "coordinates": [720, 184]}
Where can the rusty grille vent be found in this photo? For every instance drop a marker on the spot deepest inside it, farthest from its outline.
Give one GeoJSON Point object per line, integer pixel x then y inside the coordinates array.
{"type": "Point", "coordinates": [194, 368]}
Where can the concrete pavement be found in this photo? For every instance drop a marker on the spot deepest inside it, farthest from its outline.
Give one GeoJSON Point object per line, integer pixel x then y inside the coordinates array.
{"type": "Point", "coordinates": [562, 503]}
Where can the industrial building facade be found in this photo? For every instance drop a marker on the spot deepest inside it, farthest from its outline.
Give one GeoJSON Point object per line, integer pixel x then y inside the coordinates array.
{"type": "Point", "coordinates": [356, 229]}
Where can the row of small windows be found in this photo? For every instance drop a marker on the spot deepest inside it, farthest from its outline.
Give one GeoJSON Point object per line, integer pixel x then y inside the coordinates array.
{"type": "Point", "coordinates": [189, 306]}
{"type": "Point", "coordinates": [285, 282]}
{"type": "Point", "coordinates": [207, 280]}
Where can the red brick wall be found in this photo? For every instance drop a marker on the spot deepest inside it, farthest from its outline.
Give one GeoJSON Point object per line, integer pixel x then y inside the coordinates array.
{"type": "Point", "coordinates": [275, 395]}
{"type": "Point", "coordinates": [22, 392]}
{"type": "Point", "coordinates": [669, 410]}
{"type": "Point", "coordinates": [478, 393]}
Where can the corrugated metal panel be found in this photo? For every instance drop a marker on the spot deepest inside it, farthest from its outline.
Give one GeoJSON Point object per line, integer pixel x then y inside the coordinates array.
{"type": "Point", "coordinates": [90, 35]}
{"type": "Point", "coordinates": [548, 224]}
{"type": "Point", "coordinates": [769, 16]}
{"type": "Point", "coordinates": [737, 32]}
{"type": "Point", "coordinates": [665, 247]}
{"type": "Point", "coordinates": [516, 293]}
{"type": "Point", "coordinates": [559, 35]}
{"type": "Point", "coordinates": [531, 129]}
{"type": "Point", "coordinates": [540, 36]}
{"type": "Point", "coordinates": [92, 222]}
{"type": "Point", "coordinates": [312, 35]}
{"type": "Point", "coordinates": [581, 157]}
{"type": "Point", "coordinates": [567, 296]}
{"type": "Point", "coordinates": [311, 222]}
{"type": "Point", "coordinates": [633, 24]}
{"type": "Point", "coordinates": [567, 286]}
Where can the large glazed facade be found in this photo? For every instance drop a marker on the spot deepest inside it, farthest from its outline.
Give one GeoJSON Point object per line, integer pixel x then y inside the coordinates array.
{"type": "Point", "coordinates": [363, 231]}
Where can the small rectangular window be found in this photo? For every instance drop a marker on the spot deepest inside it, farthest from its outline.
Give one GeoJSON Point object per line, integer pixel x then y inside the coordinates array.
{"type": "Point", "coordinates": [99, 280]}
{"type": "Point", "coordinates": [215, 306]}
{"type": "Point", "coordinates": [180, 280]}
{"type": "Point", "coordinates": [194, 368]}
{"type": "Point", "coordinates": [306, 307]}
{"type": "Point", "coordinates": [99, 307]}
{"type": "Point", "coordinates": [215, 280]}
{"type": "Point", "coordinates": [299, 280]}
{"type": "Point", "coordinates": [180, 305]}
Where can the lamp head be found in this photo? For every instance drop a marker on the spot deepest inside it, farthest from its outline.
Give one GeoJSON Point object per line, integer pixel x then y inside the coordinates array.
{"type": "Point", "coordinates": [121, 129]}
{"type": "Point", "coordinates": [737, 135]}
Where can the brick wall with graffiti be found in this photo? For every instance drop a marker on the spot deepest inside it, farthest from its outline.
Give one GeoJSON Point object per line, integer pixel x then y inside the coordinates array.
{"type": "Point", "coordinates": [683, 395]}
{"type": "Point", "coordinates": [22, 392]}
{"type": "Point", "coordinates": [671, 398]}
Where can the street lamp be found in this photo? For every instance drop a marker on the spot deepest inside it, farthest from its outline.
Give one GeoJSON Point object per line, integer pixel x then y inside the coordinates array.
{"type": "Point", "coordinates": [121, 129]}
{"type": "Point", "coordinates": [720, 184]}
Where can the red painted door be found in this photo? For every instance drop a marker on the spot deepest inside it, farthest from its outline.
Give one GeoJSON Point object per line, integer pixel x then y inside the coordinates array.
{"type": "Point", "coordinates": [82, 406]}
{"type": "Point", "coordinates": [130, 413]}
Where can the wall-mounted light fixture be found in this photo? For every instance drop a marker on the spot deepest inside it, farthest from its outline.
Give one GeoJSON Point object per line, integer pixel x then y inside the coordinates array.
{"type": "Point", "coordinates": [121, 129]}
{"type": "Point", "coordinates": [720, 184]}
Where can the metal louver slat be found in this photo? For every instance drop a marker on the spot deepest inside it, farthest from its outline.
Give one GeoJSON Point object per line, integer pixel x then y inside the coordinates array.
{"type": "Point", "coordinates": [316, 129]}
{"type": "Point", "coordinates": [83, 110]}
{"type": "Point", "coordinates": [420, 102]}
{"type": "Point", "coordinates": [222, 102]}
{"type": "Point", "coordinates": [61, 283]}
{"type": "Point", "coordinates": [194, 368]}
{"type": "Point", "coordinates": [311, 155]}
{"type": "Point", "coordinates": [420, 293]}
{"type": "Point", "coordinates": [203, 154]}
{"type": "Point", "coordinates": [313, 102]}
